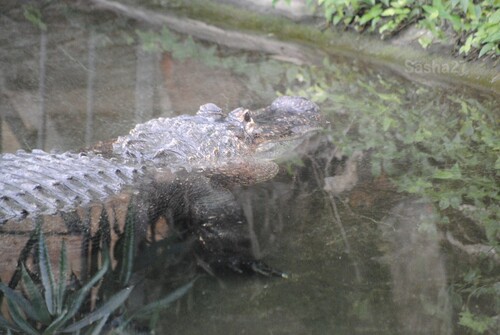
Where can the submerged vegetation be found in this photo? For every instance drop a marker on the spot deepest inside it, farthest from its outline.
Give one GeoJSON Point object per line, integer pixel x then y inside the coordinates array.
{"type": "Point", "coordinates": [445, 148]}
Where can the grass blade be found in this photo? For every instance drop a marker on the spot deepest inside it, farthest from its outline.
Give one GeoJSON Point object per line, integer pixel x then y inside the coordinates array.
{"type": "Point", "coordinates": [46, 273]}
{"type": "Point", "coordinates": [104, 311]}
{"type": "Point", "coordinates": [35, 297]}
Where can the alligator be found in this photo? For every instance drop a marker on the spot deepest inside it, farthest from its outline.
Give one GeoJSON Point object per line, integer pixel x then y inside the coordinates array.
{"type": "Point", "coordinates": [201, 154]}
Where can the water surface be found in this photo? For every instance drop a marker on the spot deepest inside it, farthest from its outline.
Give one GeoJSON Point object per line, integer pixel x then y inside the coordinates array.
{"type": "Point", "coordinates": [374, 256]}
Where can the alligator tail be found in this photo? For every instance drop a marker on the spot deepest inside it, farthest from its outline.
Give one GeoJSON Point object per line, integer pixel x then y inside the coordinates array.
{"type": "Point", "coordinates": [39, 183]}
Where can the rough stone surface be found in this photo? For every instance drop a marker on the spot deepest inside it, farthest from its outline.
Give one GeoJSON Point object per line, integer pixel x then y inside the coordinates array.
{"type": "Point", "coordinates": [297, 10]}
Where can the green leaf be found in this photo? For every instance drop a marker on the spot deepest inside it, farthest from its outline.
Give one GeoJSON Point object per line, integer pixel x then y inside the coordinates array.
{"type": "Point", "coordinates": [453, 173]}
{"type": "Point", "coordinates": [478, 323]}
{"type": "Point", "coordinates": [102, 312]}
{"type": "Point", "coordinates": [389, 12]}
{"type": "Point", "coordinates": [127, 262]}
{"type": "Point", "coordinates": [79, 297]}
{"type": "Point", "coordinates": [80, 294]}
{"type": "Point", "coordinates": [19, 319]}
{"type": "Point", "coordinates": [388, 26]}
{"type": "Point", "coordinates": [444, 203]}
{"type": "Point", "coordinates": [371, 14]}
{"type": "Point", "coordinates": [33, 15]}
{"type": "Point", "coordinates": [398, 14]}
{"type": "Point", "coordinates": [433, 12]}
{"type": "Point", "coordinates": [425, 41]}
{"type": "Point", "coordinates": [46, 273]}
{"type": "Point", "coordinates": [58, 322]}
{"type": "Point", "coordinates": [63, 273]}
{"type": "Point", "coordinates": [389, 97]}
{"type": "Point", "coordinates": [495, 17]}
{"type": "Point", "coordinates": [7, 325]}
{"type": "Point", "coordinates": [465, 5]}
{"type": "Point", "coordinates": [386, 123]}
{"type": "Point", "coordinates": [456, 22]}
{"type": "Point", "coordinates": [422, 134]}
{"type": "Point", "coordinates": [455, 201]}
{"type": "Point", "coordinates": [36, 299]}
{"type": "Point", "coordinates": [336, 19]}
{"type": "Point", "coordinates": [17, 299]}
{"type": "Point", "coordinates": [493, 37]}
{"type": "Point", "coordinates": [486, 48]}
{"type": "Point", "coordinates": [98, 328]}
{"type": "Point", "coordinates": [467, 45]}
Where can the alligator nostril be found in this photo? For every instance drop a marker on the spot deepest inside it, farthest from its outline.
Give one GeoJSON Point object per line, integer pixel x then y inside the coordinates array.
{"type": "Point", "coordinates": [247, 117]}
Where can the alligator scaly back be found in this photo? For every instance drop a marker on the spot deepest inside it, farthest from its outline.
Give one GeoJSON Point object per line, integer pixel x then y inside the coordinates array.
{"type": "Point", "coordinates": [43, 183]}
{"type": "Point", "coordinates": [239, 146]}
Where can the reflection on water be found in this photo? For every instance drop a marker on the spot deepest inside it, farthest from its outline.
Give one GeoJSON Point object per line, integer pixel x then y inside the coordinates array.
{"type": "Point", "coordinates": [418, 271]}
{"type": "Point", "coordinates": [363, 260]}
{"type": "Point", "coordinates": [108, 86]}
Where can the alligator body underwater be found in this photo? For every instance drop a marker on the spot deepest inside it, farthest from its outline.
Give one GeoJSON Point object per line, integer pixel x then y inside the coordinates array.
{"type": "Point", "coordinates": [211, 148]}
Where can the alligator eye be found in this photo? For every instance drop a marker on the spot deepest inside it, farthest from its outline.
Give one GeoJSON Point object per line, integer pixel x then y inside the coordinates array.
{"type": "Point", "coordinates": [247, 117]}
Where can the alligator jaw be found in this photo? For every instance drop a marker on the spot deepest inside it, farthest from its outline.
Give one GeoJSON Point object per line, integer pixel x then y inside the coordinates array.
{"type": "Point", "coordinates": [284, 125]}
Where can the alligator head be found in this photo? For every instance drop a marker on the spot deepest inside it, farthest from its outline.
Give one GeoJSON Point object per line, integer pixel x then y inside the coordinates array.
{"type": "Point", "coordinates": [283, 125]}
{"type": "Point", "coordinates": [242, 140]}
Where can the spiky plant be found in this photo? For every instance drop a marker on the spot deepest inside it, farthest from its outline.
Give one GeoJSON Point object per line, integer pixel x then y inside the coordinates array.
{"type": "Point", "coordinates": [49, 307]}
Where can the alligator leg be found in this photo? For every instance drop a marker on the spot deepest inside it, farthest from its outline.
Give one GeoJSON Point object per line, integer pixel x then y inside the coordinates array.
{"type": "Point", "coordinates": [201, 208]}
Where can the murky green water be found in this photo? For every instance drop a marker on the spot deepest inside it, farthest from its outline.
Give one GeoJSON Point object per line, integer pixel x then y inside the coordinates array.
{"type": "Point", "coordinates": [390, 248]}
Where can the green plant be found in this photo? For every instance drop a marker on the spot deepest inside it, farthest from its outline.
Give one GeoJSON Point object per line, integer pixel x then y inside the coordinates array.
{"type": "Point", "coordinates": [477, 286]}
{"type": "Point", "coordinates": [33, 15]}
{"type": "Point", "coordinates": [477, 323]}
{"type": "Point", "coordinates": [483, 30]}
{"type": "Point", "coordinates": [47, 305]}
{"type": "Point", "coordinates": [475, 25]}
{"type": "Point", "coordinates": [50, 307]}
